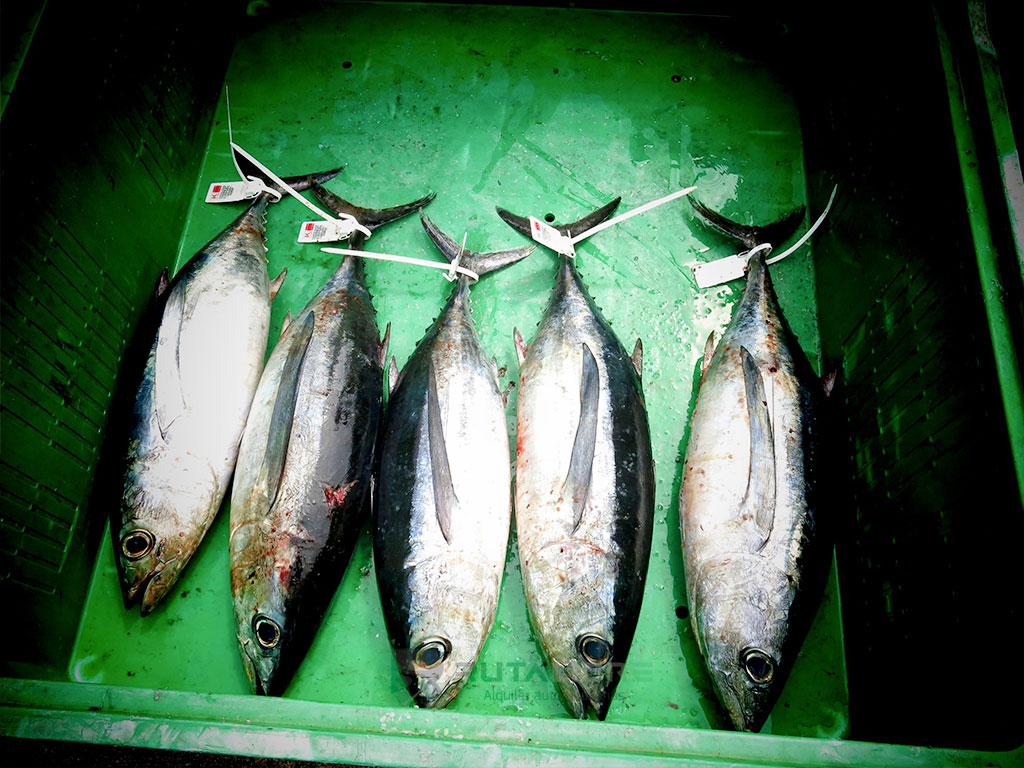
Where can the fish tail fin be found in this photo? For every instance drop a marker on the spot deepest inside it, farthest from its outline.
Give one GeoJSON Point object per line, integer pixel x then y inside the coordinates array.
{"type": "Point", "coordinates": [751, 235]}
{"type": "Point", "coordinates": [521, 224]}
{"type": "Point", "coordinates": [298, 183]}
{"type": "Point", "coordinates": [371, 218]}
{"type": "Point", "coordinates": [481, 263]}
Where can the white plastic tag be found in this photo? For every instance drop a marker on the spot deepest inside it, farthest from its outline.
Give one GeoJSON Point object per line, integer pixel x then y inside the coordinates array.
{"type": "Point", "coordinates": [547, 235]}
{"type": "Point", "coordinates": [324, 231]}
{"type": "Point", "coordinates": [719, 271]}
{"type": "Point", "coordinates": [233, 191]}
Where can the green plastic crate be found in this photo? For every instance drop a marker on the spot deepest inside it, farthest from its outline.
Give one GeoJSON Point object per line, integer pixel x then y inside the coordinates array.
{"type": "Point", "coordinates": [912, 291]}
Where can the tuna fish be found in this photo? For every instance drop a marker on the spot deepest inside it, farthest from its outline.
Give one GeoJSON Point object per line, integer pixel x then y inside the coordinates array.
{"type": "Point", "coordinates": [198, 380]}
{"type": "Point", "coordinates": [584, 487]}
{"type": "Point", "coordinates": [302, 484]}
{"type": "Point", "coordinates": [444, 499]}
{"type": "Point", "coordinates": [755, 557]}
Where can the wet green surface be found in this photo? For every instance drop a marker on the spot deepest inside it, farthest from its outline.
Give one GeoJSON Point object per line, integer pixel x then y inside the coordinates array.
{"type": "Point", "coordinates": [541, 112]}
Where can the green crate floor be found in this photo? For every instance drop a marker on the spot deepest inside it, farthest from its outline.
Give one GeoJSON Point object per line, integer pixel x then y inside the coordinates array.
{"type": "Point", "coordinates": [540, 111]}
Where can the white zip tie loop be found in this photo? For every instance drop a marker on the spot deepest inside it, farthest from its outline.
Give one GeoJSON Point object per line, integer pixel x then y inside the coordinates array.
{"type": "Point", "coordinates": [450, 277]}
{"type": "Point", "coordinates": [263, 186]}
{"type": "Point", "coordinates": [630, 214]}
{"type": "Point", "coordinates": [809, 232]}
{"type": "Point", "coordinates": [346, 224]}
{"type": "Point", "coordinates": [404, 260]}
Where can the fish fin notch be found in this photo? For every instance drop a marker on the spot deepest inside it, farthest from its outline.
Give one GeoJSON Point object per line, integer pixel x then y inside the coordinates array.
{"type": "Point", "coordinates": [371, 218]}
{"type": "Point", "coordinates": [759, 500]}
{"type": "Point", "coordinates": [445, 499]}
{"type": "Point", "coordinates": [750, 235]}
{"type": "Point", "coordinates": [521, 224]}
{"type": "Point", "coordinates": [298, 183]}
{"type": "Point", "coordinates": [577, 482]}
{"type": "Point", "coordinates": [481, 263]}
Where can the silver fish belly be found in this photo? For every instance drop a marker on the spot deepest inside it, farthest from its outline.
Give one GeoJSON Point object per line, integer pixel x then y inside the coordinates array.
{"type": "Point", "coordinates": [444, 497]}
{"type": "Point", "coordinates": [584, 495]}
{"type": "Point", "coordinates": [189, 413]}
{"type": "Point", "coordinates": [754, 560]}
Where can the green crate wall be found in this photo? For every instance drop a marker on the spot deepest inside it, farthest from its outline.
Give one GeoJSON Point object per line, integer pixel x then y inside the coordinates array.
{"type": "Point", "coordinates": [102, 137]}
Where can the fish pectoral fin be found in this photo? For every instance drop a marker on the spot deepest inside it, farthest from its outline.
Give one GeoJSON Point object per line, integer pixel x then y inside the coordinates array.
{"type": "Point", "coordinates": [520, 346]}
{"type": "Point", "coordinates": [577, 481]}
{"type": "Point", "coordinates": [445, 499]}
{"type": "Point", "coordinates": [638, 357]}
{"type": "Point", "coordinates": [269, 474]}
{"type": "Point", "coordinates": [168, 397]}
{"type": "Point", "coordinates": [285, 323]}
{"type": "Point", "coordinates": [759, 499]}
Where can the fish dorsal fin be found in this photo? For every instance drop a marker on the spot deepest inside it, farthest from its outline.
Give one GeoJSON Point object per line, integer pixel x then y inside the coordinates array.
{"type": "Point", "coordinates": [577, 481]}
{"type": "Point", "coordinates": [297, 342]}
{"type": "Point", "coordinates": [277, 282]}
{"type": "Point", "coordinates": [759, 500]}
{"type": "Point", "coordinates": [520, 346]}
{"type": "Point", "coordinates": [285, 323]}
{"type": "Point", "coordinates": [383, 346]}
{"type": "Point", "coordinates": [444, 492]}
{"type": "Point", "coordinates": [169, 398]}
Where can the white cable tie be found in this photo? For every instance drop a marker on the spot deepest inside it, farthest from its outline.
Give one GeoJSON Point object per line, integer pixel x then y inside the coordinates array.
{"type": "Point", "coordinates": [344, 222]}
{"type": "Point", "coordinates": [450, 277]}
{"type": "Point", "coordinates": [262, 187]}
{"type": "Point", "coordinates": [403, 260]}
{"type": "Point", "coordinates": [748, 255]}
{"type": "Point", "coordinates": [630, 214]}
{"type": "Point", "coordinates": [809, 232]}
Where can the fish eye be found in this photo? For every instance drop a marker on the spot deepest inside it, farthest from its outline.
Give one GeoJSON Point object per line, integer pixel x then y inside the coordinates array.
{"type": "Point", "coordinates": [759, 666]}
{"type": "Point", "coordinates": [267, 632]}
{"type": "Point", "coordinates": [432, 652]}
{"type": "Point", "coordinates": [594, 650]}
{"type": "Point", "coordinates": [136, 544]}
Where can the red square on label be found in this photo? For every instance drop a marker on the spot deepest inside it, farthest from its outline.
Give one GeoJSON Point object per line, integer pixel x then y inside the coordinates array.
{"type": "Point", "coordinates": [536, 225]}
{"type": "Point", "coordinates": [309, 226]}
{"type": "Point", "coordinates": [216, 188]}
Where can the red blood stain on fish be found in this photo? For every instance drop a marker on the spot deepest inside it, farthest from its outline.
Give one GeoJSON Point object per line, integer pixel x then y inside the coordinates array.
{"type": "Point", "coordinates": [336, 496]}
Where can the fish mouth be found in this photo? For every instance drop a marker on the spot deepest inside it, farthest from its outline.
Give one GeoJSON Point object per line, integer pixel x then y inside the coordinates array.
{"type": "Point", "coordinates": [443, 700]}
{"type": "Point", "coordinates": [571, 690]}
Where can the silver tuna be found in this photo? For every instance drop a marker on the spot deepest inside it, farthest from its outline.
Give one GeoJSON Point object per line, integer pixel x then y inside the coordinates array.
{"type": "Point", "coordinates": [302, 484]}
{"type": "Point", "coordinates": [444, 498]}
{"type": "Point", "coordinates": [198, 381]}
{"type": "Point", "coordinates": [584, 487]}
{"type": "Point", "coordinates": [755, 559]}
